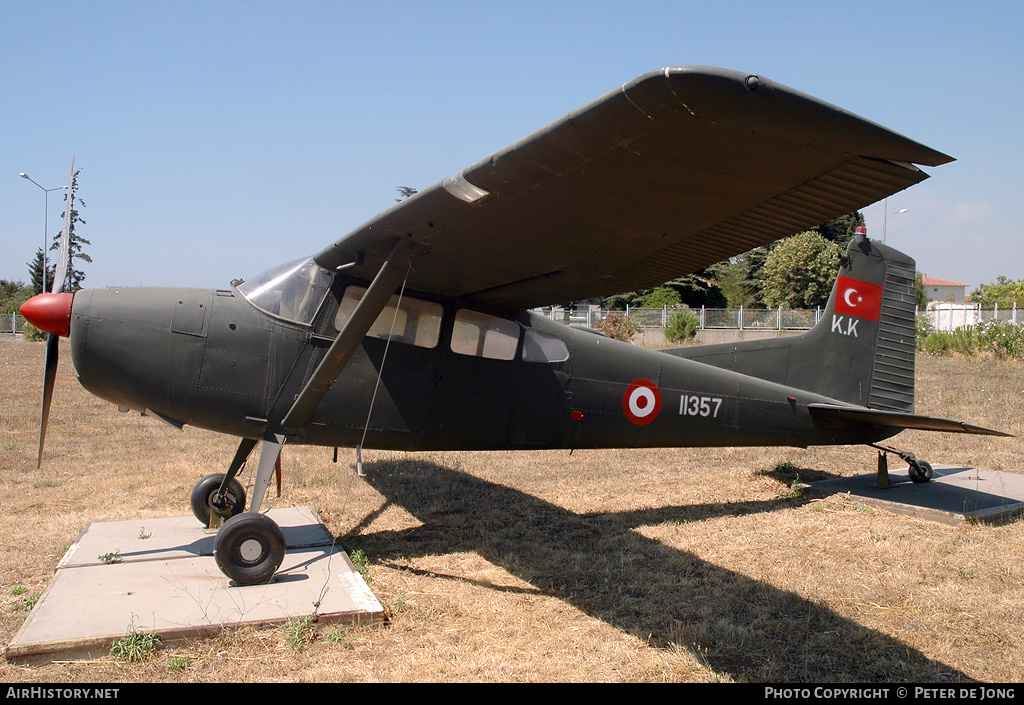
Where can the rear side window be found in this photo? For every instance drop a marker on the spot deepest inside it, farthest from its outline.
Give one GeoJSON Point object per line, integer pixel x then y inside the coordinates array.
{"type": "Point", "coordinates": [481, 335]}
{"type": "Point", "coordinates": [417, 322]}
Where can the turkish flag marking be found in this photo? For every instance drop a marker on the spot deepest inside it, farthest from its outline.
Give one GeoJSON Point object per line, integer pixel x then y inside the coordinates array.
{"type": "Point", "coordinates": [857, 298]}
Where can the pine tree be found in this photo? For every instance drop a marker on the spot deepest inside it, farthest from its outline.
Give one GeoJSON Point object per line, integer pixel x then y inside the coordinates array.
{"type": "Point", "coordinates": [35, 273]}
{"type": "Point", "coordinates": [74, 278]}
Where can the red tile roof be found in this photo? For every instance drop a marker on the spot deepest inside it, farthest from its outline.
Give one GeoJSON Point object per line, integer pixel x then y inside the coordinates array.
{"type": "Point", "coordinates": [932, 281]}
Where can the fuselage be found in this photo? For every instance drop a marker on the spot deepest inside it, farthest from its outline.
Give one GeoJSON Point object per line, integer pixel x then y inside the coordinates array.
{"type": "Point", "coordinates": [453, 376]}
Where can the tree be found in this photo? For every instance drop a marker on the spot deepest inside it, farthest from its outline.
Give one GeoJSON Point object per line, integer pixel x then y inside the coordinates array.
{"type": "Point", "coordinates": [74, 277]}
{"type": "Point", "coordinates": [405, 192]}
{"type": "Point", "coordinates": [694, 290]}
{"type": "Point", "coordinates": [743, 276]}
{"type": "Point", "coordinates": [921, 298]}
{"type": "Point", "coordinates": [740, 281]}
{"type": "Point", "coordinates": [1003, 292]}
{"type": "Point", "coordinates": [660, 297]}
{"type": "Point", "coordinates": [13, 295]}
{"type": "Point", "coordinates": [731, 279]}
{"type": "Point", "coordinates": [799, 271]}
{"type": "Point", "coordinates": [842, 229]}
{"type": "Point", "coordinates": [35, 272]}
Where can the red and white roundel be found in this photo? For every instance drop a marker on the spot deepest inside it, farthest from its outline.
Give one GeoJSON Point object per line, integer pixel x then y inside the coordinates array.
{"type": "Point", "coordinates": [642, 402]}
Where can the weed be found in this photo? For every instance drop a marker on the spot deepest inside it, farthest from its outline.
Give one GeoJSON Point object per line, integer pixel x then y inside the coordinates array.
{"type": "Point", "coordinates": [361, 563]}
{"type": "Point", "coordinates": [395, 607]}
{"type": "Point", "coordinates": [796, 489]}
{"type": "Point", "coordinates": [135, 646]}
{"type": "Point", "coordinates": [18, 590]}
{"type": "Point", "coordinates": [298, 633]}
{"type": "Point", "coordinates": [29, 604]}
{"type": "Point", "coordinates": [340, 635]}
{"type": "Point", "coordinates": [178, 663]}
{"type": "Point", "coordinates": [110, 558]}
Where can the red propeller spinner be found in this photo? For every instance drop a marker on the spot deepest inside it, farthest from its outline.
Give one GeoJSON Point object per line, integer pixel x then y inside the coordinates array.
{"type": "Point", "coordinates": [49, 312]}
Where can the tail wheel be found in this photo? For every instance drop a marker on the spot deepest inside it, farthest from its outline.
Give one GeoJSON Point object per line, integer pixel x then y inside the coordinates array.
{"type": "Point", "coordinates": [205, 500]}
{"type": "Point", "coordinates": [249, 548]}
{"type": "Point", "coordinates": [919, 470]}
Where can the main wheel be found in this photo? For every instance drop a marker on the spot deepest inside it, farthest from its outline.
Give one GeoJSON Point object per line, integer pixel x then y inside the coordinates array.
{"type": "Point", "coordinates": [203, 498]}
{"type": "Point", "coordinates": [249, 548]}
{"type": "Point", "coordinates": [919, 471]}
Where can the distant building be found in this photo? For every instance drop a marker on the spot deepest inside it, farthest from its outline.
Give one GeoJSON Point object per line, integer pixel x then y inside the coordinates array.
{"type": "Point", "coordinates": [943, 290]}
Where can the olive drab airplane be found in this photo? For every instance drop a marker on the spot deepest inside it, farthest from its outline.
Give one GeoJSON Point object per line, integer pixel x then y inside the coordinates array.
{"type": "Point", "coordinates": [414, 331]}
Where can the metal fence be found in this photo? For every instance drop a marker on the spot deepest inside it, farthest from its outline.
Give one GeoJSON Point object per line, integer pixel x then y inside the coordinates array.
{"type": "Point", "coordinates": [734, 318]}
{"type": "Point", "coordinates": [943, 317]}
{"type": "Point", "coordinates": [12, 323]}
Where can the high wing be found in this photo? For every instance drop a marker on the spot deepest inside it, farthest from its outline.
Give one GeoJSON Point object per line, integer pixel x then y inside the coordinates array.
{"type": "Point", "coordinates": [674, 171]}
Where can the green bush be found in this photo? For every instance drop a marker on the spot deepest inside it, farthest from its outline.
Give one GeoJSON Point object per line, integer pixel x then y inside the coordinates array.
{"type": "Point", "coordinates": [1001, 339]}
{"type": "Point", "coordinates": [923, 328]}
{"type": "Point", "coordinates": [682, 325]}
{"type": "Point", "coordinates": [32, 333]}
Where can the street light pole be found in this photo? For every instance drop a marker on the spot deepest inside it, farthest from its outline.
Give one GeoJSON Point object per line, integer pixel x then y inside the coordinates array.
{"type": "Point", "coordinates": [888, 215]}
{"type": "Point", "coordinates": [46, 216]}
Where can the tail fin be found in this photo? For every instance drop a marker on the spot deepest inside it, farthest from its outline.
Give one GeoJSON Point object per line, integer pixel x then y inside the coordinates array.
{"type": "Point", "coordinates": [862, 349]}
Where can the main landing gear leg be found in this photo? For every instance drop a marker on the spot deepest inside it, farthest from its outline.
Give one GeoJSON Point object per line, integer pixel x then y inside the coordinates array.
{"type": "Point", "coordinates": [918, 470]}
{"type": "Point", "coordinates": [250, 546]}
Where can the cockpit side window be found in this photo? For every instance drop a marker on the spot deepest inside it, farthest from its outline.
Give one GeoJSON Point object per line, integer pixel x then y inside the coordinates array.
{"type": "Point", "coordinates": [293, 291]}
{"type": "Point", "coordinates": [416, 322]}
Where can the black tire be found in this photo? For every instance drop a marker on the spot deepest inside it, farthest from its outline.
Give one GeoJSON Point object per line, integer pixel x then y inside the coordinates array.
{"type": "Point", "coordinates": [203, 492]}
{"type": "Point", "coordinates": [920, 471]}
{"type": "Point", "coordinates": [249, 548]}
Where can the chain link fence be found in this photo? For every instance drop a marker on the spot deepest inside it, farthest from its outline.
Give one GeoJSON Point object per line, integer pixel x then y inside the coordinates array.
{"type": "Point", "coordinates": [12, 323]}
{"type": "Point", "coordinates": [730, 318]}
{"type": "Point", "coordinates": [944, 316]}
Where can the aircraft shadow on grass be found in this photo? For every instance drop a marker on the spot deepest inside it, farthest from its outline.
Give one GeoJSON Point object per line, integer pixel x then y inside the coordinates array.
{"type": "Point", "coordinates": [737, 625]}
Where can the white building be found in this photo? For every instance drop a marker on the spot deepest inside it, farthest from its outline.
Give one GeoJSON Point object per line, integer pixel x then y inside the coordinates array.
{"type": "Point", "coordinates": [943, 290]}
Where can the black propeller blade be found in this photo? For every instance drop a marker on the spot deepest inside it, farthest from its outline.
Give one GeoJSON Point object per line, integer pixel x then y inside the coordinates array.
{"type": "Point", "coordinates": [49, 375]}
{"type": "Point", "coordinates": [46, 312]}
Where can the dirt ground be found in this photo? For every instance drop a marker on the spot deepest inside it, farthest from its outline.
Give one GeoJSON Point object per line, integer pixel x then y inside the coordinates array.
{"type": "Point", "coordinates": [674, 565]}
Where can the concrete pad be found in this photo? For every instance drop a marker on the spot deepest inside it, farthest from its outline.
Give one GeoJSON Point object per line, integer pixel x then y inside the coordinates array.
{"type": "Point", "coordinates": [954, 494]}
{"type": "Point", "coordinates": [166, 581]}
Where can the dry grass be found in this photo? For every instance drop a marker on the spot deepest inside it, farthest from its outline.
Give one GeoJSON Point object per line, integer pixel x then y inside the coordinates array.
{"type": "Point", "coordinates": [620, 565]}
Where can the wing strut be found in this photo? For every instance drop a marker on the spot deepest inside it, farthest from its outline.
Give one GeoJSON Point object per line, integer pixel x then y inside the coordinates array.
{"type": "Point", "coordinates": [380, 291]}
{"type": "Point", "coordinates": [337, 356]}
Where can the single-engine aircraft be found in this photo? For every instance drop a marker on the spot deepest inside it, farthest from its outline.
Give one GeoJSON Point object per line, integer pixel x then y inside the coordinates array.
{"type": "Point", "coordinates": [414, 331]}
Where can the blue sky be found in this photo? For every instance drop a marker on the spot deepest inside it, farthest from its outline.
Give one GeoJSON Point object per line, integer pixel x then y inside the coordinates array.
{"type": "Point", "coordinates": [217, 138]}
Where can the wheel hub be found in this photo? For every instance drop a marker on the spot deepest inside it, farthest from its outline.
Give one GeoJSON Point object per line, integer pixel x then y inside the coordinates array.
{"type": "Point", "coordinates": [250, 550]}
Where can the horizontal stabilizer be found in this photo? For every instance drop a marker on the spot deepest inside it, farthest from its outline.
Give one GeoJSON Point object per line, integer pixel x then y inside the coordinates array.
{"type": "Point", "coordinates": [896, 419]}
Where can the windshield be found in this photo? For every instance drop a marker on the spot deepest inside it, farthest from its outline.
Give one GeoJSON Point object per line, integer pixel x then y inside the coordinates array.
{"type": "Point", "coordinates": [292, 291]}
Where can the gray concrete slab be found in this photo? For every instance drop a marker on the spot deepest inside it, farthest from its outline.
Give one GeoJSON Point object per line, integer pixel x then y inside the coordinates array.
{"type": "Point", "coordinates": [953, 495]}
{"type": "Point", "coordinates": [166, 581]}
